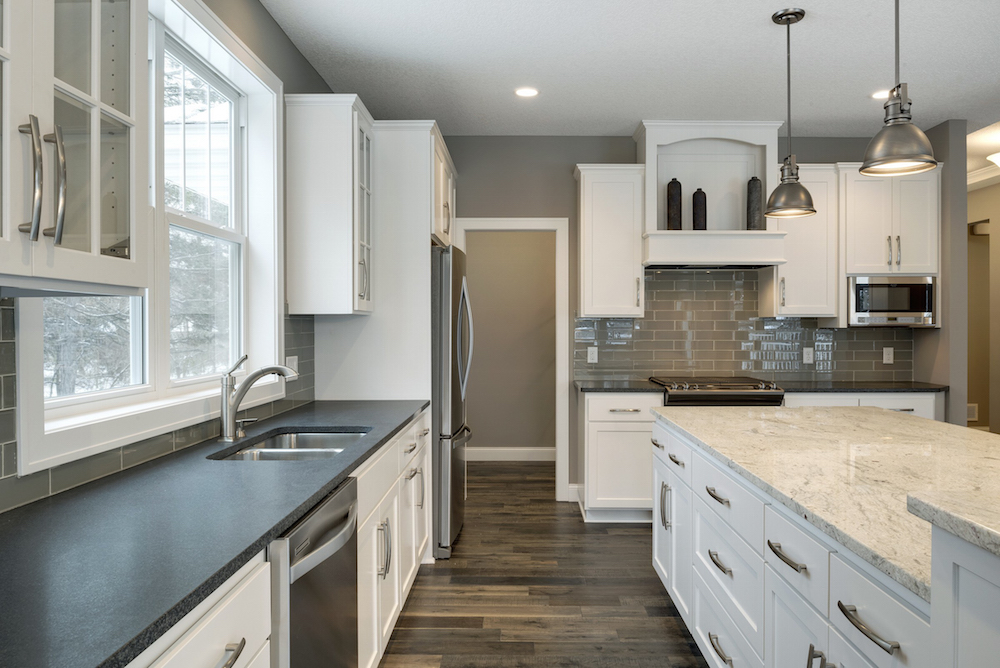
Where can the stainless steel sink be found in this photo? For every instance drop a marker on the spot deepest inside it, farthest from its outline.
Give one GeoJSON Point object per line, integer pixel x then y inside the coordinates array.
{"type": "Point", "coordinates": [298, 446]}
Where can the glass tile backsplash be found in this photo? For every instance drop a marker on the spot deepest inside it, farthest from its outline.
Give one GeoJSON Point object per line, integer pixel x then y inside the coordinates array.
{"type": "Point", "coordinates": [705, 322]}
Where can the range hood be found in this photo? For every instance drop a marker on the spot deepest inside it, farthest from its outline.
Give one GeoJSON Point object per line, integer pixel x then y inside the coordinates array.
{"type": "Point", "coordinates": [715, 249]}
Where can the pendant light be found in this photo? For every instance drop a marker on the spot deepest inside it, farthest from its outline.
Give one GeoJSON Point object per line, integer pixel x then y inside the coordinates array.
{"type": "Point", "coordinates": [790, 199]}
{"type": "Point", "coordinates": [900, 147]}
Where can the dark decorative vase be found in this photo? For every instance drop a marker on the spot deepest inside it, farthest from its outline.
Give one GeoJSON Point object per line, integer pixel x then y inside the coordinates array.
{"type": "Point", "coordinates": [698, 210]}
{"type": "Point", "coordinates": [674, 205]}
{"type": "Point", "coordinates": [755, 205]}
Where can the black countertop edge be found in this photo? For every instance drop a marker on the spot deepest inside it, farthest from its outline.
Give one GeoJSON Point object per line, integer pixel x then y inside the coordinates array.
{"type": "Point", "coordinates": [616, 386]}
{"type": "Point", "coordinates": [131, 579]}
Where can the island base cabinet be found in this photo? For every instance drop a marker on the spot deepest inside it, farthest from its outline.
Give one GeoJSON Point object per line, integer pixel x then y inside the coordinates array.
{"type": "Point", "coordinates": [844, 655]}
{"type": "Point", "coordinates": [672, 535]}
{"type": "Point", "coordinates": [721, 643]}
{"type": "Point", "coordinates": [792, 627]}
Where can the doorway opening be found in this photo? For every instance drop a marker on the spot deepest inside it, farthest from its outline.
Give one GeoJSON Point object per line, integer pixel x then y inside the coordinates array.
{"type": "Point", "coordinates": [979, 325]}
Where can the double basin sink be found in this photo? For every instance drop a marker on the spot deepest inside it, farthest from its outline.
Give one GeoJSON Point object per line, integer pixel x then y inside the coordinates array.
{"type": "Point", "coordinates": [299, 446]}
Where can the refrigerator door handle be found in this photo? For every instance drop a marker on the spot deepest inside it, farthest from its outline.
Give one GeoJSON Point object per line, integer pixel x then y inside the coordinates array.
{"type": "Point", "coordinates": [464, 356]}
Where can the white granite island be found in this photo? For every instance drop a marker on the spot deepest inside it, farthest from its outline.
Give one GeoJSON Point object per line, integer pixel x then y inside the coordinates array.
{"type": "Point", "coordinates": [841, 477]}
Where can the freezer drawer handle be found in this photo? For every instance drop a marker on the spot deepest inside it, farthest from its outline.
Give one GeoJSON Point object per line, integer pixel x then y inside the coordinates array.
{"type": "Point", "coordinates": [714, 639]}
{"type": "Point", "coordinates": [851, 612]}
{"type": "Point", "coordinates": [721, 499]}
{"type": "Point", "coordinates": [229, 660]}
{"type": "Point", "coordinates": [331, 546]}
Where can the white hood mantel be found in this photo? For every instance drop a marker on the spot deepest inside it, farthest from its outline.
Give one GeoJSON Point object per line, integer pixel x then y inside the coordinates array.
{"type": "Point", "coordinates": [713, 248]}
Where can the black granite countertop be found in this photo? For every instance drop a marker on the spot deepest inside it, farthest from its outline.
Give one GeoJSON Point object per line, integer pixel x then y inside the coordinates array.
{"type": "Point", "coordinates": [786, 385]}
{"type": "Point", "coordinates": [93, 576]}
{"type": "Point", "coordinates": [616, 386]}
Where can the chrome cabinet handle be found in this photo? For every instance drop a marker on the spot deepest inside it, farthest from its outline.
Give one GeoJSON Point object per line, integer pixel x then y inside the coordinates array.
{"type": "Point", "coordinates": [851, 612]}
{"type": "Point", "coordinates": [624, 410]}
{"type": "Point", "coordinates": [903, 410]}
{"type": "Point", "coordinates": [638, 286]}
{"type": "Point", "coordinates": [657, 444]}
{"type": "Point", "coordinates": [364, 278]}
{"type": "Point", "coordinates": [813, 655]}
{"type": "Point", "coordinates": [384, 569]}
{"type": "Point", "coordinates": [721, 499]}
{"type": "Point", "coordinates": [56, 232]}
{"type": "Point", "coordinates": [412, 474]}
{"type": "Point", "coordinates": [420, 472]}
{"type": "Point", "coordinates": [776, 548]}
{"type": "Point", "coordinates": [233, 652]}
{"type": "Point", "coordinates": [31, 228]}
{"type": "Point", "coordinates": [424, 432]}
{"type": "Point", "coordinates": [888, 240]}
{"type": "Point", "coordinates": [899, 251]}
{"type": "Point", "coordinates": [447, 218]}
{"type": "Point", "coordinates": [714, 639]}
{"type": "Point", "coordinates": [388, 538]}
{"type": "Point", "coordinates": [674, 459]}
{"type": "Point", "coordinates": [410, 448]}
{"type": "Point", "coordinates": [714, 556]}
{"type": "Point", "coordinates": [782, 290]}
{"type": "Point", "coordinates": [663, 500]}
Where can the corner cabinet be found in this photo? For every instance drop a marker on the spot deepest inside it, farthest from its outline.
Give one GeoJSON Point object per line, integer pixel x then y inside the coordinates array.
{"type": "Point", "coordinates": [445, 180]}
{"type": "Point", "coordinates": [611, 226]}
{"type": "Point", "coordinates": [892, 225]}
{"type": "Point", "coordinates": [807, 284]}
{"type": "Point", "coordinates": [75, 146]}
{"type": "Point", "coordinates": [329, 199]}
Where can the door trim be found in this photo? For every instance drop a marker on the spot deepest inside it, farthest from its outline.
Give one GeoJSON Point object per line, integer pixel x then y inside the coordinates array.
{"type": "Point", "coordinates": [561, 227]}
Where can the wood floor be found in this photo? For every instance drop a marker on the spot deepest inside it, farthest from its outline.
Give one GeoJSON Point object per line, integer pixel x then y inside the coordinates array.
{"type": "Point", "coordinates": [529, 584]}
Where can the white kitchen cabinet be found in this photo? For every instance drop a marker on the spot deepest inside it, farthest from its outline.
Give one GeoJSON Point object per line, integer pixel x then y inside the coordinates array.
{"type": "Point", "coordinates": [444, 193]}
{"type": "Point", "coordinates": [329, 200]}
{"type": "Point", "coordinates": [845, 655]}
{"type": "Point", "coordinates": [792, 626]}
{"type": "Point", "coordinates": [807, 285]}
{"type": "Point", "coordinates": [928, 405]}
{"type": "Point", "coordinates": [75, 123]}
{"type": "Point", "coordinates": [379, 594]}
{"type": "Point", "coordinates": [611, 226]}
{"type": "Point", "coordinates": [672, 534]}
{"type": "Point", "coordinates": [892, 225]}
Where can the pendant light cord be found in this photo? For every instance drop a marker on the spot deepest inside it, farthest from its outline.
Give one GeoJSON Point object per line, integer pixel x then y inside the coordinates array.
{"type": "Point", "coordinates": [897, 42]}
{"type": "Point", "coordinates": [788, 55]}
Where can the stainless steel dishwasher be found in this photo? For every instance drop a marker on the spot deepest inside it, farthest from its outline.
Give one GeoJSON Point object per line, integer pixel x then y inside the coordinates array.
{"type": "Point", "coordinates": [314, 593]}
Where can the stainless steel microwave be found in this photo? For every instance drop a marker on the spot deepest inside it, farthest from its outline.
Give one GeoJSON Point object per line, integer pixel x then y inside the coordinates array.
{"type": "Point", "coordinates": [892, 301]}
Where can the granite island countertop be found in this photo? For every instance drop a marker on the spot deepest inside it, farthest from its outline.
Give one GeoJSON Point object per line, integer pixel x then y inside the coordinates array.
{"type": "Point", "coordinates": [849, 472]}
{"type": "Point", "coordinates": [94, 575]}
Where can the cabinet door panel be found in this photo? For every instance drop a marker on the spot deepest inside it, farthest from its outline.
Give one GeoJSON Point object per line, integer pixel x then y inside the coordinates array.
{"type": "Point", "coordinates": [916, 220]}
{"type": "Point", "coordinates": [868, 217]}
{"type": "Point", "coordinates": [422, 521]}
{"type": "Point", "coordinates": [370, 560]}
{"type": "Point", "coordinates": [662, 536]}
{"type": "Point", "coordinates": [619, 459]}
{"type": "Point", "coordinates": [791, 626]}
{"type": "Point", "coordinates": [407, 527]}
{"type": "Point", "coordinates": [807, 283]}
{"type": "Point", "coordinates": [681, 568]}
{"type": "Point", "coordinates": [389, 596]}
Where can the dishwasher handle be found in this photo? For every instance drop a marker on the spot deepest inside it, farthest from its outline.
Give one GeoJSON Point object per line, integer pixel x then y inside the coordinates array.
{"type": "Point", "coordinates": [337, 541]}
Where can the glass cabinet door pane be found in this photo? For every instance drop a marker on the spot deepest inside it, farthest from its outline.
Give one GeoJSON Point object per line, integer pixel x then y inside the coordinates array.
{"type": "Point", "coordinates": [115, 240]}
{"type": "Point", "coordinates": [72, 46]}
{"type": "Point", "coordinates": [115, 51]}
{"type": "Point", "coordinates": [74, 118]}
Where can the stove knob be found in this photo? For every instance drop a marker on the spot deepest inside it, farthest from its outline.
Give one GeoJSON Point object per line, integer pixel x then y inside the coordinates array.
{"type": "Point", "coordinates": [774, 386]}
{"type": "Point", "coordinates": [687, 386]}
{"type": "Point", "coordinates": [762, 386]}
{"type": "Point", "coordinates": [695, 387]}
{"type": "Point", "coordinates": [674, 386]}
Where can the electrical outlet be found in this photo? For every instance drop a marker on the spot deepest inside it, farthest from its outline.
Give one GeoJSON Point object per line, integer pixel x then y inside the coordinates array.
{"type": "Point", "coordinates": [887, 356]}
{"type": "Point", "coordinates": [808, 356]}
{"type": "Point", "coordinates": [592, 355]}
{"type": "Point", "coordinates": [292, 362]}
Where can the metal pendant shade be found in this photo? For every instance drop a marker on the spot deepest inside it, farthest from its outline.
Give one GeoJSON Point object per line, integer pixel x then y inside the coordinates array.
{"type": "Point", "coordinates": [900, 147]}
{"type": "Point", "coordinates": [790, 199]}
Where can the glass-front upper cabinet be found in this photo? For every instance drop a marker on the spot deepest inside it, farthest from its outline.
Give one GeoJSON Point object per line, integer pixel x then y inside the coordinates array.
{"type": "Point", "coordinates": [78, 207]}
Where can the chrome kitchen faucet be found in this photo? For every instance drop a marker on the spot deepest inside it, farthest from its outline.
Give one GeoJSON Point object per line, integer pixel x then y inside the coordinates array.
{"type": "Point", "coordinates": [232, 394]}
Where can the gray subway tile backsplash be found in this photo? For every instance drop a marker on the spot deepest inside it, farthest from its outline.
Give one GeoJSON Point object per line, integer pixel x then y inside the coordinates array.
{"type": "Point", "coordinates": [705, 322]}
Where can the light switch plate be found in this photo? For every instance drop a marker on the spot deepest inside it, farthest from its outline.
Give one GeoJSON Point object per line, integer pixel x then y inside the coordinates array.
{"type": "Point", "coordinates": [808, 356]}
{"type": "Point", "coordinates": [292, 362]}
{"type": "Point", "coordinates": [592, 355]}
{"type": "Point", "coordinates": [887, 356]}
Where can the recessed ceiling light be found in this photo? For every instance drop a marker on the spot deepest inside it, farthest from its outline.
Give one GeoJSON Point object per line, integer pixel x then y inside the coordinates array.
{"type": "Point", "coordinates": [880, 95]}
{"type": "Point", "coordinates": [526, 92]}
{"type": "Point", "coordinates": [995, 159]}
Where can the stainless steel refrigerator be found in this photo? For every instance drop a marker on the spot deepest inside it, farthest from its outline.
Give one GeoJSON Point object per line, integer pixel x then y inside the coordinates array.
{"type": "Point", "coordinates": [453, 340]}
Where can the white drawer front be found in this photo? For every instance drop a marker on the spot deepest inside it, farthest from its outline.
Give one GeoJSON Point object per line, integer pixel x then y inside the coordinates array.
{"type": "Point", "coordinates": [743, 511]}
{"type": "Point", "coordinates": [920, 404]}
{"type": "Point", "coordinates": [409, 443]}
{"type": "Point", "coordinates": [622, 407]}
{"type": "Point", "coordinates": [885, 617]}
{"type": "Point", "coordinates": [377, 476]}
{"type": "Point", "coordinates": [244, 614]}
{"type": "Point", "coordinates": [718, 638]}
{"type": "Point", "coordinates": [844, 655]}
{"type": "Point", "coordinates": [809, 572]}
{"type": "Point", "coordinates": [733, 571]}
{"type": "Point", "coordinates": [675, 453]}
{"type": "Point", "coordinates": [263, 658]}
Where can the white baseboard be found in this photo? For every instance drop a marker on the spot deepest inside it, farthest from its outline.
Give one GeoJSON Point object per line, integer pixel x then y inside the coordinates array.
{"type": "Point", "coordinates": [474, 454]}
{"type": "Point", "coordinates": [571, 494]}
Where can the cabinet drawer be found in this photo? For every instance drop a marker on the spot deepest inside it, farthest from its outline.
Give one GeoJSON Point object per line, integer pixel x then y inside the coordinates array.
{"type": "Point", "coordinates": [920, 404]}
{"type": "Point", "coordinates": [733, 502]}
{"type": "Point", "coordinates": [408, 446]}
{"type": "Point", "coordinates": [624, 407]}
{"type": "Point", "coordinates": [843, 654]}
{"type": "Point", "coordinates": [733, 572]}
{"type": "Point", "coordinates": [791, 625]}
{"type": "Point", "coordinates": [885, 616]}
{"type": "Point", "coordinates": [783, 537]}
{"type": "Point", "coordinates": [263, 658]}
{"type": "Point", "coordinates": [244, 614]}
{"type": "Point", "coordinates": [377, 476]}
{"type": "Point", "coordinates": [718, 639]}
{"type": "Point", "coordinates": [674, 453]}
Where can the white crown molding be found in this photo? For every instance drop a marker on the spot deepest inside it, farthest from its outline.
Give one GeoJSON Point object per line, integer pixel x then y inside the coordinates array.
{"type": "Point", "coordinates": [984, 177]}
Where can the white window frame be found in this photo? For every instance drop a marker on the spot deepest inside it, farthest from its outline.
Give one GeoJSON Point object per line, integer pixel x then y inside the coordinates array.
{"type": "Point", "coordinates": [92, 423]}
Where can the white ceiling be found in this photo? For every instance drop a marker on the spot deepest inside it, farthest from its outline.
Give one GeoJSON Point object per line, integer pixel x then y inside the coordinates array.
{"type": "Point", "coordinates": [604, 65]}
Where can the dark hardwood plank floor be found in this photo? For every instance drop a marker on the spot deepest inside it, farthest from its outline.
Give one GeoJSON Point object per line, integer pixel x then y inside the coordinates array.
{"type": "Point", "coordinates": [530, 584]}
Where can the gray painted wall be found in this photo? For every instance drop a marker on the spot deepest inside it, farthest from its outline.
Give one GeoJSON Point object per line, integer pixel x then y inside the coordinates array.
{"type": "Point", "coordinates": [941, 355]}
{"type": "Point", "coordinates": [259, 31]}
{"type": "Point", "coordinates": [512, 286]}
{"type": "Point", "coordinates": [985, 204]}
{"type": "Point", "coordinates": [826, 149]}
{"type": "Point", "coordinates": [522, 177]}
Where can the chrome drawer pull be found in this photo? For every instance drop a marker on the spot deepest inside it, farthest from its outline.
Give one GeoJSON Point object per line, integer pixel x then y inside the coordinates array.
{"type": "Point", "coordinates": [851, 612]}
{"type": "Point", "coordinates": [714, 639]}
{"type": "Point", "coordinates": [424, 432]}
{"type": "Point", "coordinates": [410, 448]}
{"type": "Point", "coordinates": [236, 649]}
{"type": "Point", "coordinates": [813, 655]}
{"type": "Point", "coordinates": [663, 503]}
{"type": "Point", "coordinates": [776, 548]}
{"type": "Point", "coordinates": [657, 444]}
{"type": "Point", "coordinates": [903, 410]}
{"type": "Point", "coordinates": [421, 472]}
{"type": "Point", "coordinates": [714, 556]}
{"type": "Point", "coordinates": [674, 459]}
{"type": "Point", "coordinates": [412, 475]}
{"type": "Point", "coordinates": [624, 410]}
{"type": "Point", "coordinates": [721, 499]}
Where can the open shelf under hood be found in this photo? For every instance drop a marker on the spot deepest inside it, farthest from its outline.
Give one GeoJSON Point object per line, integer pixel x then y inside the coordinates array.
{"type": "Point", "coordinates": [713, 248]}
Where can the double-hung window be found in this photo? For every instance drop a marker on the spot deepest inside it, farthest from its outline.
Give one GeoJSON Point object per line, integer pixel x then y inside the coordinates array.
{"type": "Point", "coordinates": [107, 371]}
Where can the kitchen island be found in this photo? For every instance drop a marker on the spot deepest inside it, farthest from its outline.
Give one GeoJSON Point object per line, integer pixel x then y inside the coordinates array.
{"type": "Point", "coordinates": [805, 508]}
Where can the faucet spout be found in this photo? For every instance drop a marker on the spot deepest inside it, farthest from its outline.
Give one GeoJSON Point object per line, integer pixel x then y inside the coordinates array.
{"type": "Point", "coordinates": [232, 395]}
